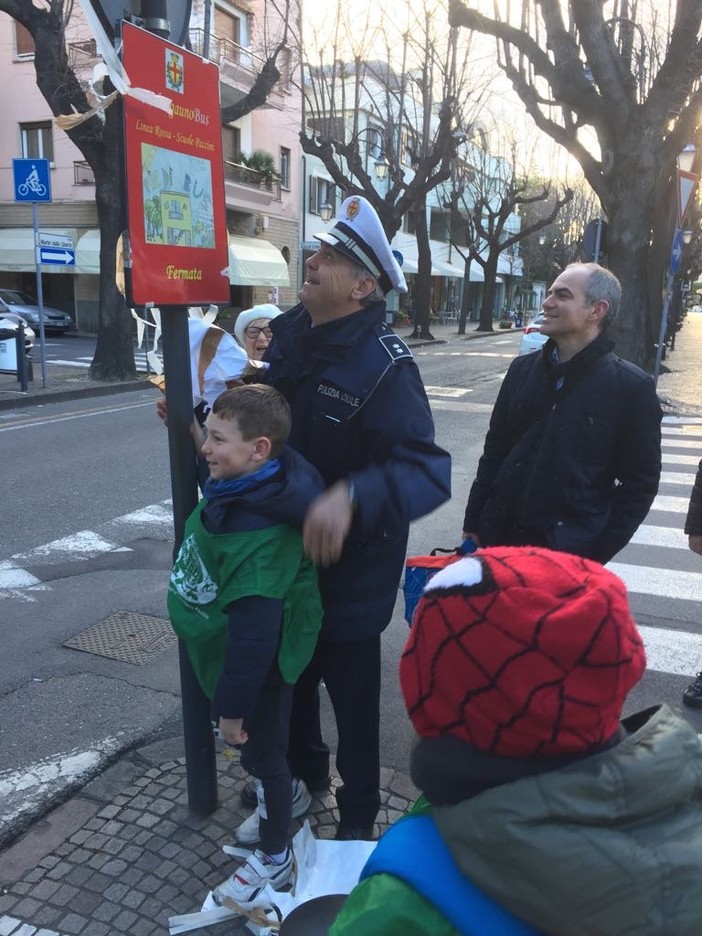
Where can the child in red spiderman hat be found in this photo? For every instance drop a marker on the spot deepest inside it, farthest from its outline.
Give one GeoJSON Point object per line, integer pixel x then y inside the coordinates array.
{"type": "Point", "coordinates": [542, 810]}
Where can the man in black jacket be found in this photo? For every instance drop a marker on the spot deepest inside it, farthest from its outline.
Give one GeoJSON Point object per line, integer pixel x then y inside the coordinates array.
{"type": "Point", "coordinates": [572, 457]}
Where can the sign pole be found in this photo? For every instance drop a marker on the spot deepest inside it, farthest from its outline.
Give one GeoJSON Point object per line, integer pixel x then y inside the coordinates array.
{"type": "Point", "coordinates": [198, 738]}
{"type": "Point", "coordinates": [40, 293]}
{"type": "Point", "coordinates": [664, 325]}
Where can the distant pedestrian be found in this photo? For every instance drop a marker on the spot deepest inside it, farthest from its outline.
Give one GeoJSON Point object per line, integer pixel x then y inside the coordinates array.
{"type": "Point", "coordinates": [243, 597]}
{"type": "Point", "coordinates": [693, 527]}
{"type": "Point", "coordinates": [572, 458]}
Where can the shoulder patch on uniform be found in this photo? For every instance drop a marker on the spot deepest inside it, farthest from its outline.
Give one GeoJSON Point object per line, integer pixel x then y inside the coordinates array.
{"type": "Point", "coordinates": [395, 347]}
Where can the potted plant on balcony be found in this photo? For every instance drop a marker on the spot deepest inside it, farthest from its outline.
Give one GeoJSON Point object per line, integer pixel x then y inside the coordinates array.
{"type": "Point", "coordinates": [262, 162]}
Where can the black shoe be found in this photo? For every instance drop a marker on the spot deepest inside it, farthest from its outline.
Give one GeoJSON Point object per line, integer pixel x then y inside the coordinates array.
{"type": "Point", "coordinates": [355, 833]}
{"type": "Point", "coordinates": [250, 800]}
{"type": "Point", "coordinates": [692, 696]}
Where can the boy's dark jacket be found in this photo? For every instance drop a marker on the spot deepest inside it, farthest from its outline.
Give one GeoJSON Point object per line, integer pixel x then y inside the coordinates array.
{"type": "Point", "coordinates": [242, 591]}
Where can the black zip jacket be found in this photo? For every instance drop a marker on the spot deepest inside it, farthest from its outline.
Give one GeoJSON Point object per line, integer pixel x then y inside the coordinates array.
{"type": "Point", "coordinates": [572, 455]}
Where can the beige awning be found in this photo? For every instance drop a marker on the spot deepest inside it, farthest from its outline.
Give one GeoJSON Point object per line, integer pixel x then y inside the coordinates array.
{"type": "Point", "coordinates": [256, 262]}
{"type": "Point", "coordinates": [17, 250]}
{"type": "Point", "coordinates": [441, 265]}
{"type": "Point", "coordinates": [88, 252]}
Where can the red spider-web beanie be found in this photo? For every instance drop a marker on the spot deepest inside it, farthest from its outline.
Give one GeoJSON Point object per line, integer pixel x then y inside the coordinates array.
{"type": "Point", "coordinates": [522, 652]}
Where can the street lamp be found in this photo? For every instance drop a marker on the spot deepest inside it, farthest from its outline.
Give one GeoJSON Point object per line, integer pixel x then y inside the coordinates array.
{"type": "Point", "coordinates": [381, 167]}
{"type": "Point", "coordinates": [326, 211]}
{"type": "Point", "coordinates": [687, 237]}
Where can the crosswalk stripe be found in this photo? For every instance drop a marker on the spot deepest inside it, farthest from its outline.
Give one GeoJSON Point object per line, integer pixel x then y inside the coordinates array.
{"type": "Point", "coordinates": [671, 504]}
{"type": "Point", "coordinates": [671, 651]}
{"type": "Point", "coordinates": [668, 537]}
{"type": "Point", "coordinates": [665, 583]}
{"type": "Point", "coordinates": [685, 443]}
{"type": "Point", "coordinates": [673, 459]}
{"type": "Point", "coordinates": [674, 477]}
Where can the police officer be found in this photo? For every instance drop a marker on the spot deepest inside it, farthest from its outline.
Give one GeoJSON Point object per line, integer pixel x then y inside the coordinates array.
{"type": "Point", "coordinates": [361, 416]}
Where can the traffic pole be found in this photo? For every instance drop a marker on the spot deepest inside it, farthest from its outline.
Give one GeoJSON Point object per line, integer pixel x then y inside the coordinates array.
{"type": "Point", "coordinates": [200, 764]}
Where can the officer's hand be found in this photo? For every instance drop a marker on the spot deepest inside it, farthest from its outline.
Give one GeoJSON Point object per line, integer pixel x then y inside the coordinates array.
{"type": "Point", "coordinates": [162, 410]}
{"type": "Point", "coordinates": [231, 730]}
{"type": "Point", "coordinates": [327, 524]}
{"type": "Point", "coordinates": [695, 543]}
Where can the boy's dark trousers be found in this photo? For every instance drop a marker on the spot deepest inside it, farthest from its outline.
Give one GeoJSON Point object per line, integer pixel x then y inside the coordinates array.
{"type": "Point", "coordinates": [264, 756]}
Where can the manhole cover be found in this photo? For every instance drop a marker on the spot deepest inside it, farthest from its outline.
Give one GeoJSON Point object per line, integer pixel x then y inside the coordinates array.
{"type": "Point", "coordinates": [126, 636]}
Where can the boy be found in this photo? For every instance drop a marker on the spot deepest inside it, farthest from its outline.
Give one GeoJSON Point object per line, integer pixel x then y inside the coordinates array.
{"type": "Point", "coordinates": [243, 597]}
{"type": "Point", "coordinates": [543, 811]}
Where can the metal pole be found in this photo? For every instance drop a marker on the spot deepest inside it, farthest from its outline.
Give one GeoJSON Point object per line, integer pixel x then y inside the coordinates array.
{"type": "Point", "coordinates": [21, 358]}
{"type": "Point", "coordinates": [40, 294]}
{"type": "Point", "coordinates": [598, 240]}
{"type": "Point", "coordinates": [664, 325]}
{"type": "Point", "coordinates": [200, 766]}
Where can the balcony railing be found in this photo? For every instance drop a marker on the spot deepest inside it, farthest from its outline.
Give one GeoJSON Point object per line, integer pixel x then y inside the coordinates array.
{"type": "Point", "coordinates": [235, 172]}
{"type": "Point", "coordinates": [223, 49]}
{"type": "Point", "coordinates": [82, 174]}
{"type": "Point", "coordinates": [82, 54]}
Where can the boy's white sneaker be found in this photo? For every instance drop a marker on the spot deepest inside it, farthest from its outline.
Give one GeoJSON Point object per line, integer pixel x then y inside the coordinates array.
{"type": "Point", "coordinates": [246, 884]}
{"type": "Point", "coordinates": [248, 833]}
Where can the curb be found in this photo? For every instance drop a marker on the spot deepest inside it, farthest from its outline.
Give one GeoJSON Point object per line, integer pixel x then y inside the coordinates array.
{"type": "Point", "coordinates": [56, 396]}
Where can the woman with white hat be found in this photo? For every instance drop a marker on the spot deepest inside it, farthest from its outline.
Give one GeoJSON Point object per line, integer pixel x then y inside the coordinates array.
{"type": "Point", "coordinates": [252, 329]}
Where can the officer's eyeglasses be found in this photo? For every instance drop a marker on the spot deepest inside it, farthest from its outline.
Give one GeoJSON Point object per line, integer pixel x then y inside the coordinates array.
{"type": "Point", "coordinates": [253, 331]}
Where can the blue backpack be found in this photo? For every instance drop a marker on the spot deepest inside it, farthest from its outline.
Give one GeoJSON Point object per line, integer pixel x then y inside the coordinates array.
{"type": "Point", "coordinates": [438, 879]}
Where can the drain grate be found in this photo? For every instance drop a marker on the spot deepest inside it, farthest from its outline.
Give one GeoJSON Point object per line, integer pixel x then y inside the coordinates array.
{"type": "Point", "coordinates": [126, 636]}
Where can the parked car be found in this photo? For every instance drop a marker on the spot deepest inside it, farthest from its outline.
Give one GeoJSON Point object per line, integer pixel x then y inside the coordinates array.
{"type": "Point", "coordinates": [10, 321]}
{"type": "Point", "coordinates": [532, 339]}
{"type": "Point", "coordinates": [12, 300]}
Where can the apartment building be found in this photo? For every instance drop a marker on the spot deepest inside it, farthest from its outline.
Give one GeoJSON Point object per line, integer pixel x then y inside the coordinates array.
{"type": "Point", "coordinates": [261, 162]}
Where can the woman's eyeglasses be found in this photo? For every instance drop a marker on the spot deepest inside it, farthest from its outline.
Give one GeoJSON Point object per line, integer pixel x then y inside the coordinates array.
{"type": "Point", "coordinates": [253, 331]}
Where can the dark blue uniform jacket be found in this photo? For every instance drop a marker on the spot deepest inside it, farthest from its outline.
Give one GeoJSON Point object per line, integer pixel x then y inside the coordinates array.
{"type": "Point", "coordinates": [359, 412]}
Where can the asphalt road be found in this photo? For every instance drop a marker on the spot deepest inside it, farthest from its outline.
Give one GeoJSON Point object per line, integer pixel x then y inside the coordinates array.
{"type": "Point", "coordinates": [85, 533]}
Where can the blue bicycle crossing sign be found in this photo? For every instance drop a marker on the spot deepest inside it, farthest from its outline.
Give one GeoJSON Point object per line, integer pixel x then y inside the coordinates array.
{"type": "Point", "coordinates": [32, 181]}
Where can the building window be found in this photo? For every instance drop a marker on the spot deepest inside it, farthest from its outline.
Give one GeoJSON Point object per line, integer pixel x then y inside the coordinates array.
{"type": "Point", "coordinates": [285, 67]}
{"type": "Point", "coordinates": [37, 142]}
{"type": "Point", "coordinates": [231, 144]}
{"type": "Point", "coordinates": [322, 192]}
{"type": "Point", "coordinates": [227, 35]}
{"type": "Point", "coordinates": [285, 157]}
{"type": "Point", "coordinates": [24, 42]}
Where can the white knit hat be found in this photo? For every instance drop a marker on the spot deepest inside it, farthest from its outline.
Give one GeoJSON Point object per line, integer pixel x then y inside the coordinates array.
{"type": "Point", "coordinates": [246, 316]}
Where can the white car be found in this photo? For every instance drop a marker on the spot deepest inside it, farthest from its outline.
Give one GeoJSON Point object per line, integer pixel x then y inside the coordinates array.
{"type": "Point", "coordinates": [532, 339]}
{"type": "Point", "coordinates": [10, 321]}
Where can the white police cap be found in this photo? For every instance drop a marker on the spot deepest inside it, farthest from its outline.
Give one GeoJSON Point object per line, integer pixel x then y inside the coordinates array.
{"type": "Point", "coordinates": [358, 234]}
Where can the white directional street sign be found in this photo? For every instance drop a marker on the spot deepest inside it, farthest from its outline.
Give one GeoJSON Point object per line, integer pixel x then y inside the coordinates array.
{"type": "Point", "coordinates": [57, 255]}
{"type": "Point", "coordinates": [49, 239]}
{"type": "Point", "coordinates": [676, 251]}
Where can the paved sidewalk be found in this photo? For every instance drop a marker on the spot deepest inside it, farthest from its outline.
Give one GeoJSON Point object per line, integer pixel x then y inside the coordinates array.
{"type": "Point", "coordinates": [125, 853]}
{"type": "Point", "coordinates": [680, 380]}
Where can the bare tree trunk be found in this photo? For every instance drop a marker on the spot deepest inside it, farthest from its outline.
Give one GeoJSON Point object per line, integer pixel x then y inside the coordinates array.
{"type": "Point", "coordinates": [114, 352]}
{"type": "Point", "coordinates": [422, 290]}
{"type": "Point", "coordinates": [488, 303]}
{"type": "Point", "coordinates": [465, 298]}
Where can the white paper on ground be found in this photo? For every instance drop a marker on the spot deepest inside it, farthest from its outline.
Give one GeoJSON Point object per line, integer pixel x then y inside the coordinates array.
{"type": "Point", "coordinates": [323, 867]}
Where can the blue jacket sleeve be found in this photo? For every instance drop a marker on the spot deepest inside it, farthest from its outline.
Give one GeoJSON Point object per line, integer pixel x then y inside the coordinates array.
{"type": "Point", "coordinates": [254, 634]}
{"type": "Point", "coordinates": [407, 475]}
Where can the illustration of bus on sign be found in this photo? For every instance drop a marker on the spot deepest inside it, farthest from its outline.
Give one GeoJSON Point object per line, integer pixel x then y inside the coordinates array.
{"type": "Point", "coordinates": [178, 208]}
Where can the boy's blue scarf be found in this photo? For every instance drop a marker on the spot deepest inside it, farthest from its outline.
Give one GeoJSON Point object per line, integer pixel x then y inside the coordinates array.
{"type": "Point", "coordinates": [228, 486]}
